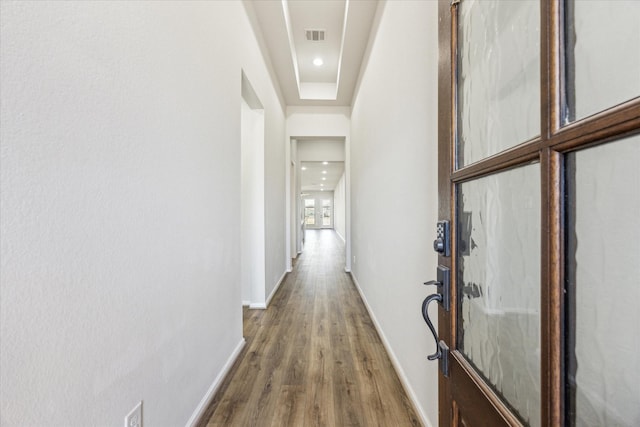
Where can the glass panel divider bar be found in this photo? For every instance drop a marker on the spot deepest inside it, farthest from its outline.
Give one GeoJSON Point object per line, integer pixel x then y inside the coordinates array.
{"type": "Point", "coordinates": [520, 155]}
{"type": "Point", "coordinates": [553, 107]}
{"type": "Point", "coordinates": [552, 286]}
{"type": "Point", "coordinates": [617, 121]}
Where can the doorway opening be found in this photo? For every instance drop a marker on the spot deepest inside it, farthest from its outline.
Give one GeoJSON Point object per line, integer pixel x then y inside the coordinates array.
{"type": "Point", "coordinates": [318, 210]}
{"type": "Point", "coordinates": [252, 215]}
{"type": "Point", "coordinates": [319, 196]}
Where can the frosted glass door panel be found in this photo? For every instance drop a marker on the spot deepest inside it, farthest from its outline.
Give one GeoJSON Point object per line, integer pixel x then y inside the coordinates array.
{"type": "Point", "coordinates": [603, 54]}
{"type": "Point", "coordinates": [498, 76]}
{"type": "Point", "coordinates": [603, 268]}
{"type": "Point", "coordinates": [498, 279]}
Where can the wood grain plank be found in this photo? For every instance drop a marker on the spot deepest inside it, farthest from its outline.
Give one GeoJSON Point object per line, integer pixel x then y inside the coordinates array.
{"type": "Point", "coordinates": [313, 358]}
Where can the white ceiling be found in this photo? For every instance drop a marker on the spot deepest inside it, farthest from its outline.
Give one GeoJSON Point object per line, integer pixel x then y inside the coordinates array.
{"type": "Point", "coordinates": [311, 178]}
{"type": "Point", "coordinates": [283, 25]}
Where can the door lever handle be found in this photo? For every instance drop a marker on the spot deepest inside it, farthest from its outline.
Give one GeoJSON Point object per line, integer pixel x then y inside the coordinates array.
{"type": "Point", "coordinates": [443, 284]}
{"type": "Point", "coordinates": [425, 315]}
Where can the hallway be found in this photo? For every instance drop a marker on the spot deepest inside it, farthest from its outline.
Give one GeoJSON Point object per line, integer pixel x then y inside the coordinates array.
{"type": "Point", "coordinates": [313, 358]}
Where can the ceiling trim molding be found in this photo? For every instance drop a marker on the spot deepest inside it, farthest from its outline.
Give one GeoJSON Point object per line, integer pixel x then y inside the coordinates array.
{"type": "Point", "coordinates": [250, 11]}
{"type": "Point", "coordinates": [292, 45]}
{"type": "Point", "coordinates": [341, 55]}
{"type": "Point", "coordinates": [373, 32]}
{"type": "Point", "coordinates": [283, 26]}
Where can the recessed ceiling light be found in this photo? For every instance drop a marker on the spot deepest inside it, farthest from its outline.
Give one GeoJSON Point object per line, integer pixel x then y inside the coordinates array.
{"type": "Point", "coordinates": [318, 62]}
{"type": "Point", "coordinates": [324, 179]}
{"type": "Point", "coordinates": [304, 168]}
{"type": "Point", "coordinates": [321, 185]}
{"type": "Point", "coordinates": [325, 163]}
{"type": "Point", "coordinates": [324, 172]}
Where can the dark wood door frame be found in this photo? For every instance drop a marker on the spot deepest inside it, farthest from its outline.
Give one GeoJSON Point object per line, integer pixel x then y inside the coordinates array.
{"type": "Point", "coordinates": [556, 139]}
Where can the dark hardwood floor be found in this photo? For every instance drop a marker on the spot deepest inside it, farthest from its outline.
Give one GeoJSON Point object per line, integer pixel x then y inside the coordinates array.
{"type": "Point", "coordinates": [313, 358]}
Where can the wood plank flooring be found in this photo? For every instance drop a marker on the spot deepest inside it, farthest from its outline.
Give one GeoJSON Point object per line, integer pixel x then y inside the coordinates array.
{"type": "Point", "coordinates": [313, 358]}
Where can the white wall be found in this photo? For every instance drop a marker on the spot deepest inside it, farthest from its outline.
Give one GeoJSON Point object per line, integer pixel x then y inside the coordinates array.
{"type": "Point", "coordinates": [339, 213]}
{"type": "Point", "coordinates": [294, 222]}
{"type": "Point", "coordinates": [318, 122]}
{"type": "Point", "coordinates": [321, 150]}
{"type": "Point", "coordinates": [275, 195]}
{"type": "Point", "coordinates": [394, 187]}
{"type": "Point", "coordinates": [120, 206]}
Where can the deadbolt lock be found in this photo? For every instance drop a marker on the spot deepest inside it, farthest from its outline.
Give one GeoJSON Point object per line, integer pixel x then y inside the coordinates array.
{"type": "Point", "coordinates": [442, 244]}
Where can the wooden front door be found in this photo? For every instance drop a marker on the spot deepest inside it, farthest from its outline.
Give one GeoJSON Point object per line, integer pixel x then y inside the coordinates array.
{"type": "Point", "coordinates": [539, 153]}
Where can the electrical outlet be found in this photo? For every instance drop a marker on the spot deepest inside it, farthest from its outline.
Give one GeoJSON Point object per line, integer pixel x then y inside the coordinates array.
{"type": "Point", "coordinates": [134, 418]}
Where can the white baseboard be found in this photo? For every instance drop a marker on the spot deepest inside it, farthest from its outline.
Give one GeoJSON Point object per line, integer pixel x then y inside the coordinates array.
{"type": "Point", "coordinates": [258, 306]}
{"type": "Point", "coordinates": [394, 360]}
{"type": "Point", "coordinates": [275, 288]}
{"type": "Point", "coordinates": [208, 397]}
{"type": "Point", "coordinates": [263, 306]}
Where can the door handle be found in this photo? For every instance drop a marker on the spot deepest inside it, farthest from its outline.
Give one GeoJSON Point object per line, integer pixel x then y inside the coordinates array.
{"type": "Point", "coordinates": [442, 295]}
{"type": "Point", "coordinates": [425, 315]}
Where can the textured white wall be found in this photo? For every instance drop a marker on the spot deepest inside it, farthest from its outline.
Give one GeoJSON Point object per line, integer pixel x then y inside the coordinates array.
{"type": "Point", "coordinates": [120, 206]}
{"type": "Point", "coordinates": [394, 186]}
{"type": "Point", "coordinates": [321, 150]}
{"type": "Point", "coordinates": [275, 191]}
{"type": "Point", "coordinates": [318, 121]}
{"type": "Point", "coordinates": [295, 215]}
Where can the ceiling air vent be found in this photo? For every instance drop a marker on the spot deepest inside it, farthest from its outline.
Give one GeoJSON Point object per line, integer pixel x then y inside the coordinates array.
{"type": "Point", "coordinates": [315, 35]}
